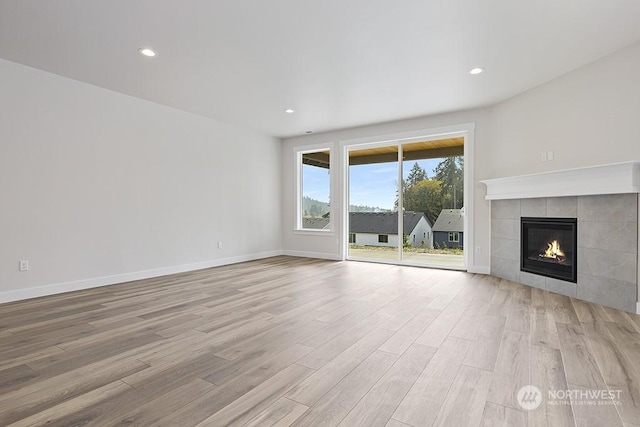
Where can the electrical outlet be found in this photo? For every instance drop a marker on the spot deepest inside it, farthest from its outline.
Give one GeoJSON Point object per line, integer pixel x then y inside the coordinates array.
{"type": "Point", "coordinates": [478, 249]}
{"type": "Point", "coordinates": [543, 157]}
{"type": "Point", "coordinates": [549, 155]}
{"type": "Point", "coordinates": [23, 265]}
{"type": "Point", "coordinates": [219, 245]}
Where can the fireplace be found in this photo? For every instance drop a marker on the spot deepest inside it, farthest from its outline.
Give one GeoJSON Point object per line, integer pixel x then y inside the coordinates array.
{"type": "Point", "coordinates": [549, 247]}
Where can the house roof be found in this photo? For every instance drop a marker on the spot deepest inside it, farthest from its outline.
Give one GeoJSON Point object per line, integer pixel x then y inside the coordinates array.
{"type": "Point", "coordinates": [315, 223]}
{"type": "Point", "coordinates": [449, 220]}
{"type": "Point", "coordinates": [383, 222]}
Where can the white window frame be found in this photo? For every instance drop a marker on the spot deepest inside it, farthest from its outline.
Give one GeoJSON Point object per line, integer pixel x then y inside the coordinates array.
{"type": "Point", "coordinates": [456, 235]}
{"type": "Point", "coordinates": [298, 223]}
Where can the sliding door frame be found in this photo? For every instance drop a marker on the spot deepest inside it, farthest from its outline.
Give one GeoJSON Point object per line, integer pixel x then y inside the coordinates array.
{"type": "Point", "coordinates": [347, 203]}
{"type": "Point", "coordinates": [465, 131]}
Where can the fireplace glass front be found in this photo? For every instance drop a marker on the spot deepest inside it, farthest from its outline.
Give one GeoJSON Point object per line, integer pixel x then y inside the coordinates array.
{"type": "Point", "coordinates": [549, 247]}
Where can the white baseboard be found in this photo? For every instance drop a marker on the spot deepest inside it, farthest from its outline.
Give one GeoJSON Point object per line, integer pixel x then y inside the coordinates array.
{"type": "Point", "coordinates": [479, 269]}
{"type": "Point", "coordinates": [319, 255]}
{"type": "Point", "coordinates": [58, 288]}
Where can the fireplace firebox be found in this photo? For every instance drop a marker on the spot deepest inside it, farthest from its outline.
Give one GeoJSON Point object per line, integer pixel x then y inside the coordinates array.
{"type": "Point", "coordinates": [549, 247]}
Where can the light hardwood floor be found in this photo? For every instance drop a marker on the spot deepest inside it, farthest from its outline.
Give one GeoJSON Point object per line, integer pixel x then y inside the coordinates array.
{"type": "Point", "coordinates": [289, 341]}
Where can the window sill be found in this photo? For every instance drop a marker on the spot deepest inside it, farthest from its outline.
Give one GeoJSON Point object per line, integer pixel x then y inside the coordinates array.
{"type": "Point", "coordinates": [311, 232]}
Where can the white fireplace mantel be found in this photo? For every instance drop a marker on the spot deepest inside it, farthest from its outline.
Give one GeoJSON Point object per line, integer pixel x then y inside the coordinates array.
{"type": "Point", "coordinates": [615, 178]}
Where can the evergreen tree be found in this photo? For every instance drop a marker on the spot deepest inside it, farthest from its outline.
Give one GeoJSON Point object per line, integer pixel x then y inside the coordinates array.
{"type": "Point", "coordinates": [450, 172]}
{"type": "Point", "coordinates": [416, 174]}
{"type": "Point", "coordinates": [313, 208]}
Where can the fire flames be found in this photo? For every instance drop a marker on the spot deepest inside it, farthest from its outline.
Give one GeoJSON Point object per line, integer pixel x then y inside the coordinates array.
{"type": "Point", "coordinates": [553, 251]}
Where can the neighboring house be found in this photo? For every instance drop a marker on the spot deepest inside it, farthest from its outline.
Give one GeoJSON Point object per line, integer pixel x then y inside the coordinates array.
{"type": "Point", "coordinates": [448, 229]}
{"type": "Point", "coordinates": [315, 223]}
{"type": "Point", "coordinates": [381, 229]}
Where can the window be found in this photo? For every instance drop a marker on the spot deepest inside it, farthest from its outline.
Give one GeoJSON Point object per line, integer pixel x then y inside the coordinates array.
{"type": "Point", "coordinates": [383, 238]}
{"type": "Point", "coordinates": [314, 190]}
{"type": "Point", "coordinates": [352, 237]}
{"type": "Point", "coordinates": [454, 236]}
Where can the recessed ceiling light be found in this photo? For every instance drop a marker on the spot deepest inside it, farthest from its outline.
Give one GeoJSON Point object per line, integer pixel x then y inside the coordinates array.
{"type": "Point", "coordinates": [309, 131]}
{"type": "Point", "coordinates": [476, 70]}
{"type": "Point", "coordinates": [147, 52]}
{"type": "Point", "coordinates": [289, 111]}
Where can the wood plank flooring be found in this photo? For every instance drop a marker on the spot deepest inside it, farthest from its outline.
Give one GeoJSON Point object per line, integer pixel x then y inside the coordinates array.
{"type": "Point", "coordinates": [291, 341]}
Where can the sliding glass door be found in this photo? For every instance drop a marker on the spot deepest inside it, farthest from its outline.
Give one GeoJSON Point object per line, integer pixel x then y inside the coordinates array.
{"type": "Point", "coordinates": [432, 200]}
{"type": "Point", "coordinates": [373, 191]}
{"type": "Point", "coordinates": [406, 203]}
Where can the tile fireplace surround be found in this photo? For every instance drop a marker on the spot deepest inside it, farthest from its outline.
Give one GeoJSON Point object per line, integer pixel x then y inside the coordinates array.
{"type": "Point", "coordinates": [604, 199]}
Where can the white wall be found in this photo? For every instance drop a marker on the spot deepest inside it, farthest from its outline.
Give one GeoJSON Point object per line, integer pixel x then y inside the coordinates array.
{"type": "Point", "coordinates": [328, 246]}
{"type": "Point", "coordinates": [98, 187]}
{"type": "Point", "coordinates": [368, 239]}
{"type": "Point", "coordinates": [418, 234]}
{"type": "Point", "coordinates": [588, 117]}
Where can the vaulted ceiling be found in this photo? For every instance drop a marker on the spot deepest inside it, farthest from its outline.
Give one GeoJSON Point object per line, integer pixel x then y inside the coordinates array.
{"type": "Point", "coordinates": [337, 63]}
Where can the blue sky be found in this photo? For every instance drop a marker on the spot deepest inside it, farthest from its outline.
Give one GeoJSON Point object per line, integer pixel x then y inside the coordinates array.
{"type": "Point", "coordinates": [315, 182]}
{"type": "Point", "coordinates": [371, 185]}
